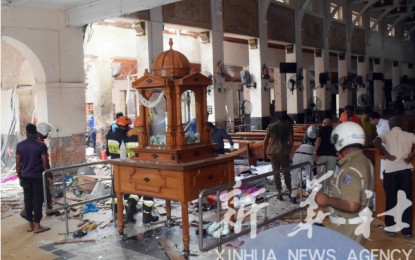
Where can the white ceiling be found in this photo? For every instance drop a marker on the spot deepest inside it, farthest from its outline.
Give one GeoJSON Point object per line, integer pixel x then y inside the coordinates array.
{"type": "Point", "coordinates": [81, 12]}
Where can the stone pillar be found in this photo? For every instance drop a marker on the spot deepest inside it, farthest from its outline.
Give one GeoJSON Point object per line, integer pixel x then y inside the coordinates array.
{"type": "Point", "coordinates": [343, 93]}
{"type": "Point", "coordinates": [260, 115]}
{"type": "Point", "coordinates": [307, 94]}
{"type": "Point", "coordinates": [322, 92]}
{"type": "Point", "coordinates": [295, 97]}
{"type": "Point", "coordinates": [362, 70]}
{"type": "Point", "coordinates": [280, 93]}
{"type": "Point", "coordinates": [378, 67]}
{"type": "Point", "coordinates": [150, 44]}
{"type": "Point", "coordinates": [211, 54]}
{"type": "Point", "coordinates": [396, 79]}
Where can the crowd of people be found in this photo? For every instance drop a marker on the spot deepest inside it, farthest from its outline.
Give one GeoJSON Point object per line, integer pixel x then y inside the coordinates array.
{"type": "Point", "coordinates": [340, 148]}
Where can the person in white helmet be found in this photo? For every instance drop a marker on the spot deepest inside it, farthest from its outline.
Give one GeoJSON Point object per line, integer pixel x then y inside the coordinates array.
{"type": "Point", "coordinates": [43, 129]}
{"type": "Point", "coordinates": [347, 197]}
{"type": "Point", "coordinates": [304, 153]}
{"type": "Point", "coordinates": [311, 135]}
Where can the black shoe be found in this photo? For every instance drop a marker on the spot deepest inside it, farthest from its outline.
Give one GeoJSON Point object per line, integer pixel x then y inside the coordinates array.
{"type": "Point", "coordinates": [293, 200]}
{"type": "Point", "coordinates": [279, 197]}
{"type": "Point", "coordinates": [407, 235]}
{"type": "Point", "coordinates": [131, 210]}
{"type": "Point", "coordinates": [148, 218]}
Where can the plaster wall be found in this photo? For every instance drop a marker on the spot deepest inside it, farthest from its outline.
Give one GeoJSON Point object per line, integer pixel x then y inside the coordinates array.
{"type": "Point", "coordinates": [187, 45]}
{"type": "Point", "coordinates": [275, 56]}
{"type": "Point", "coordinates": [109, 42]}
{"type": "Point", "coordinates": [57, 47]}
{"type": "Point", "coordinates": [236, 54]}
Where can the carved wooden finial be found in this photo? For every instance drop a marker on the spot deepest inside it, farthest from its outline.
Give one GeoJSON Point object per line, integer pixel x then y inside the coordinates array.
{"type": "Point", "coordinates": [146, 71]}
{"type": "Point", "coordinates": [171, 43]}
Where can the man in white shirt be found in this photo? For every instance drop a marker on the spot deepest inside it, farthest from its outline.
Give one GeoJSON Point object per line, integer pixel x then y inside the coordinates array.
{"type": "Point", "coordinates": [397, 145]}
{"type": "Point", "coordinates": [382, 126]}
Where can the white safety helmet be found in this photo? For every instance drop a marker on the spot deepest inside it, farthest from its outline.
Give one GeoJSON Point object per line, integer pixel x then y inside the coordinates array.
{"type": "Point", "coordinates": [312, 131]}
{"type": "Point", "coordinates": [347, 134]}
{"type": "Point", "coordinates": [43, 128]}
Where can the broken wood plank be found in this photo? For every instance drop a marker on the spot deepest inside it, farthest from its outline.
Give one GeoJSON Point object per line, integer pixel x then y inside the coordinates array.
{"type": "Point", "coordinates": [105, 223]}
{"type": "Point", "coordinates": [75, 199]}
{"type": "Point", "coordinates": [64, 233]}
{"type": "Point", "coordinates": [65, 241]}
{"type": "Point", "coordinates": [170, 249]}
{"type": "Point", "coordinates": [161, 211]}
{"type": "Point", "coordinates": [78, 212]}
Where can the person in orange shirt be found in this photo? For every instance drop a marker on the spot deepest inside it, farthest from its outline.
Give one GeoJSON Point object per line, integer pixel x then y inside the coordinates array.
{"type": "Point", "coordinates": [349, 115]}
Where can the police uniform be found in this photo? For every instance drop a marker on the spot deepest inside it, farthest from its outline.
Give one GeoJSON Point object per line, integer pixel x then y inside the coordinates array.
{"type": "Point", "coordinates": [349, 183]}
{"type": "Point", "coordinates": [304, 153]}
{"type": "Point", "coordinates": [279, 152]}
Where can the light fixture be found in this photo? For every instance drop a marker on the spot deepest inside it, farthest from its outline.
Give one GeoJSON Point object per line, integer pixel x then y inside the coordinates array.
{"type": "Point", "coordinates": [253, 43]}
{"type": "Point", "coordinates": [139, 28]}
{"type": "Point", "coordinates": [204, 37]}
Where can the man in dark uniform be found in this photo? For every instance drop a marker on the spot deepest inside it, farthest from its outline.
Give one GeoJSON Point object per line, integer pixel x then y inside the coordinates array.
{"type": "Point", "coordinates": [281, 136]}
{"type": "Point", "coordinates": [31, 160]}
{"type": "Point", "coordinates": [217, 136]}
{"type": "Point", "coordinates": [113, 149]}
{"type": "Point", "coordinates": [347, 197]}
{"type": "Point", "coordinates": [116, 138]}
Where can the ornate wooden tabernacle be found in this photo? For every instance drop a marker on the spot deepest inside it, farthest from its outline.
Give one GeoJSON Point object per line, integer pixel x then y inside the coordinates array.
{"type": "Point", "coordinates": [175, 158]}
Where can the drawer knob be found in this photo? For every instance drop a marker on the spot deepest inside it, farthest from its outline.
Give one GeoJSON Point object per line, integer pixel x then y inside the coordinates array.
{"type": "Point", "coordinates": [146, 179]}
{"type": "Point", "coordinates": [210, 177]}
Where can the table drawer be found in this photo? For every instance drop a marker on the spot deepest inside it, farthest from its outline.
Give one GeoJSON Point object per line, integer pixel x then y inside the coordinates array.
{"type": "Point", "coordinates": [150, 180]}
{"type": "Point", "coordinates": [208, 177]}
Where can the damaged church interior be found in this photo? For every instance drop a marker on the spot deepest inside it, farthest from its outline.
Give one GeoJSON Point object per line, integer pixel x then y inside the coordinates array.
{"type": "Point", "coordinates": [207, 129]}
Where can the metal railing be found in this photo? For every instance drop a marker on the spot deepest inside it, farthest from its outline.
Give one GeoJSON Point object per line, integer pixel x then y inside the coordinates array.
{"type": "Point", "coordinates": [217, 189]}
{"type": "Point", "coordinates": [65, 204]}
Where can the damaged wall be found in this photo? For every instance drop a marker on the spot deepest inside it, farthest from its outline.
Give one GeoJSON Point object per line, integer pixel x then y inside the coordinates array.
{"type": "Point", "coordinates": [49, 57]}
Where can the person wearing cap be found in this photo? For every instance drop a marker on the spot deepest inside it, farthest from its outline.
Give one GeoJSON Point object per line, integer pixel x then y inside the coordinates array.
{"type": "Point", "coordinates": [396, 145]}
{"type": "Point", "coordinates": [347, 198]}
{"type": "Point", "coordinates": [31, 160]}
